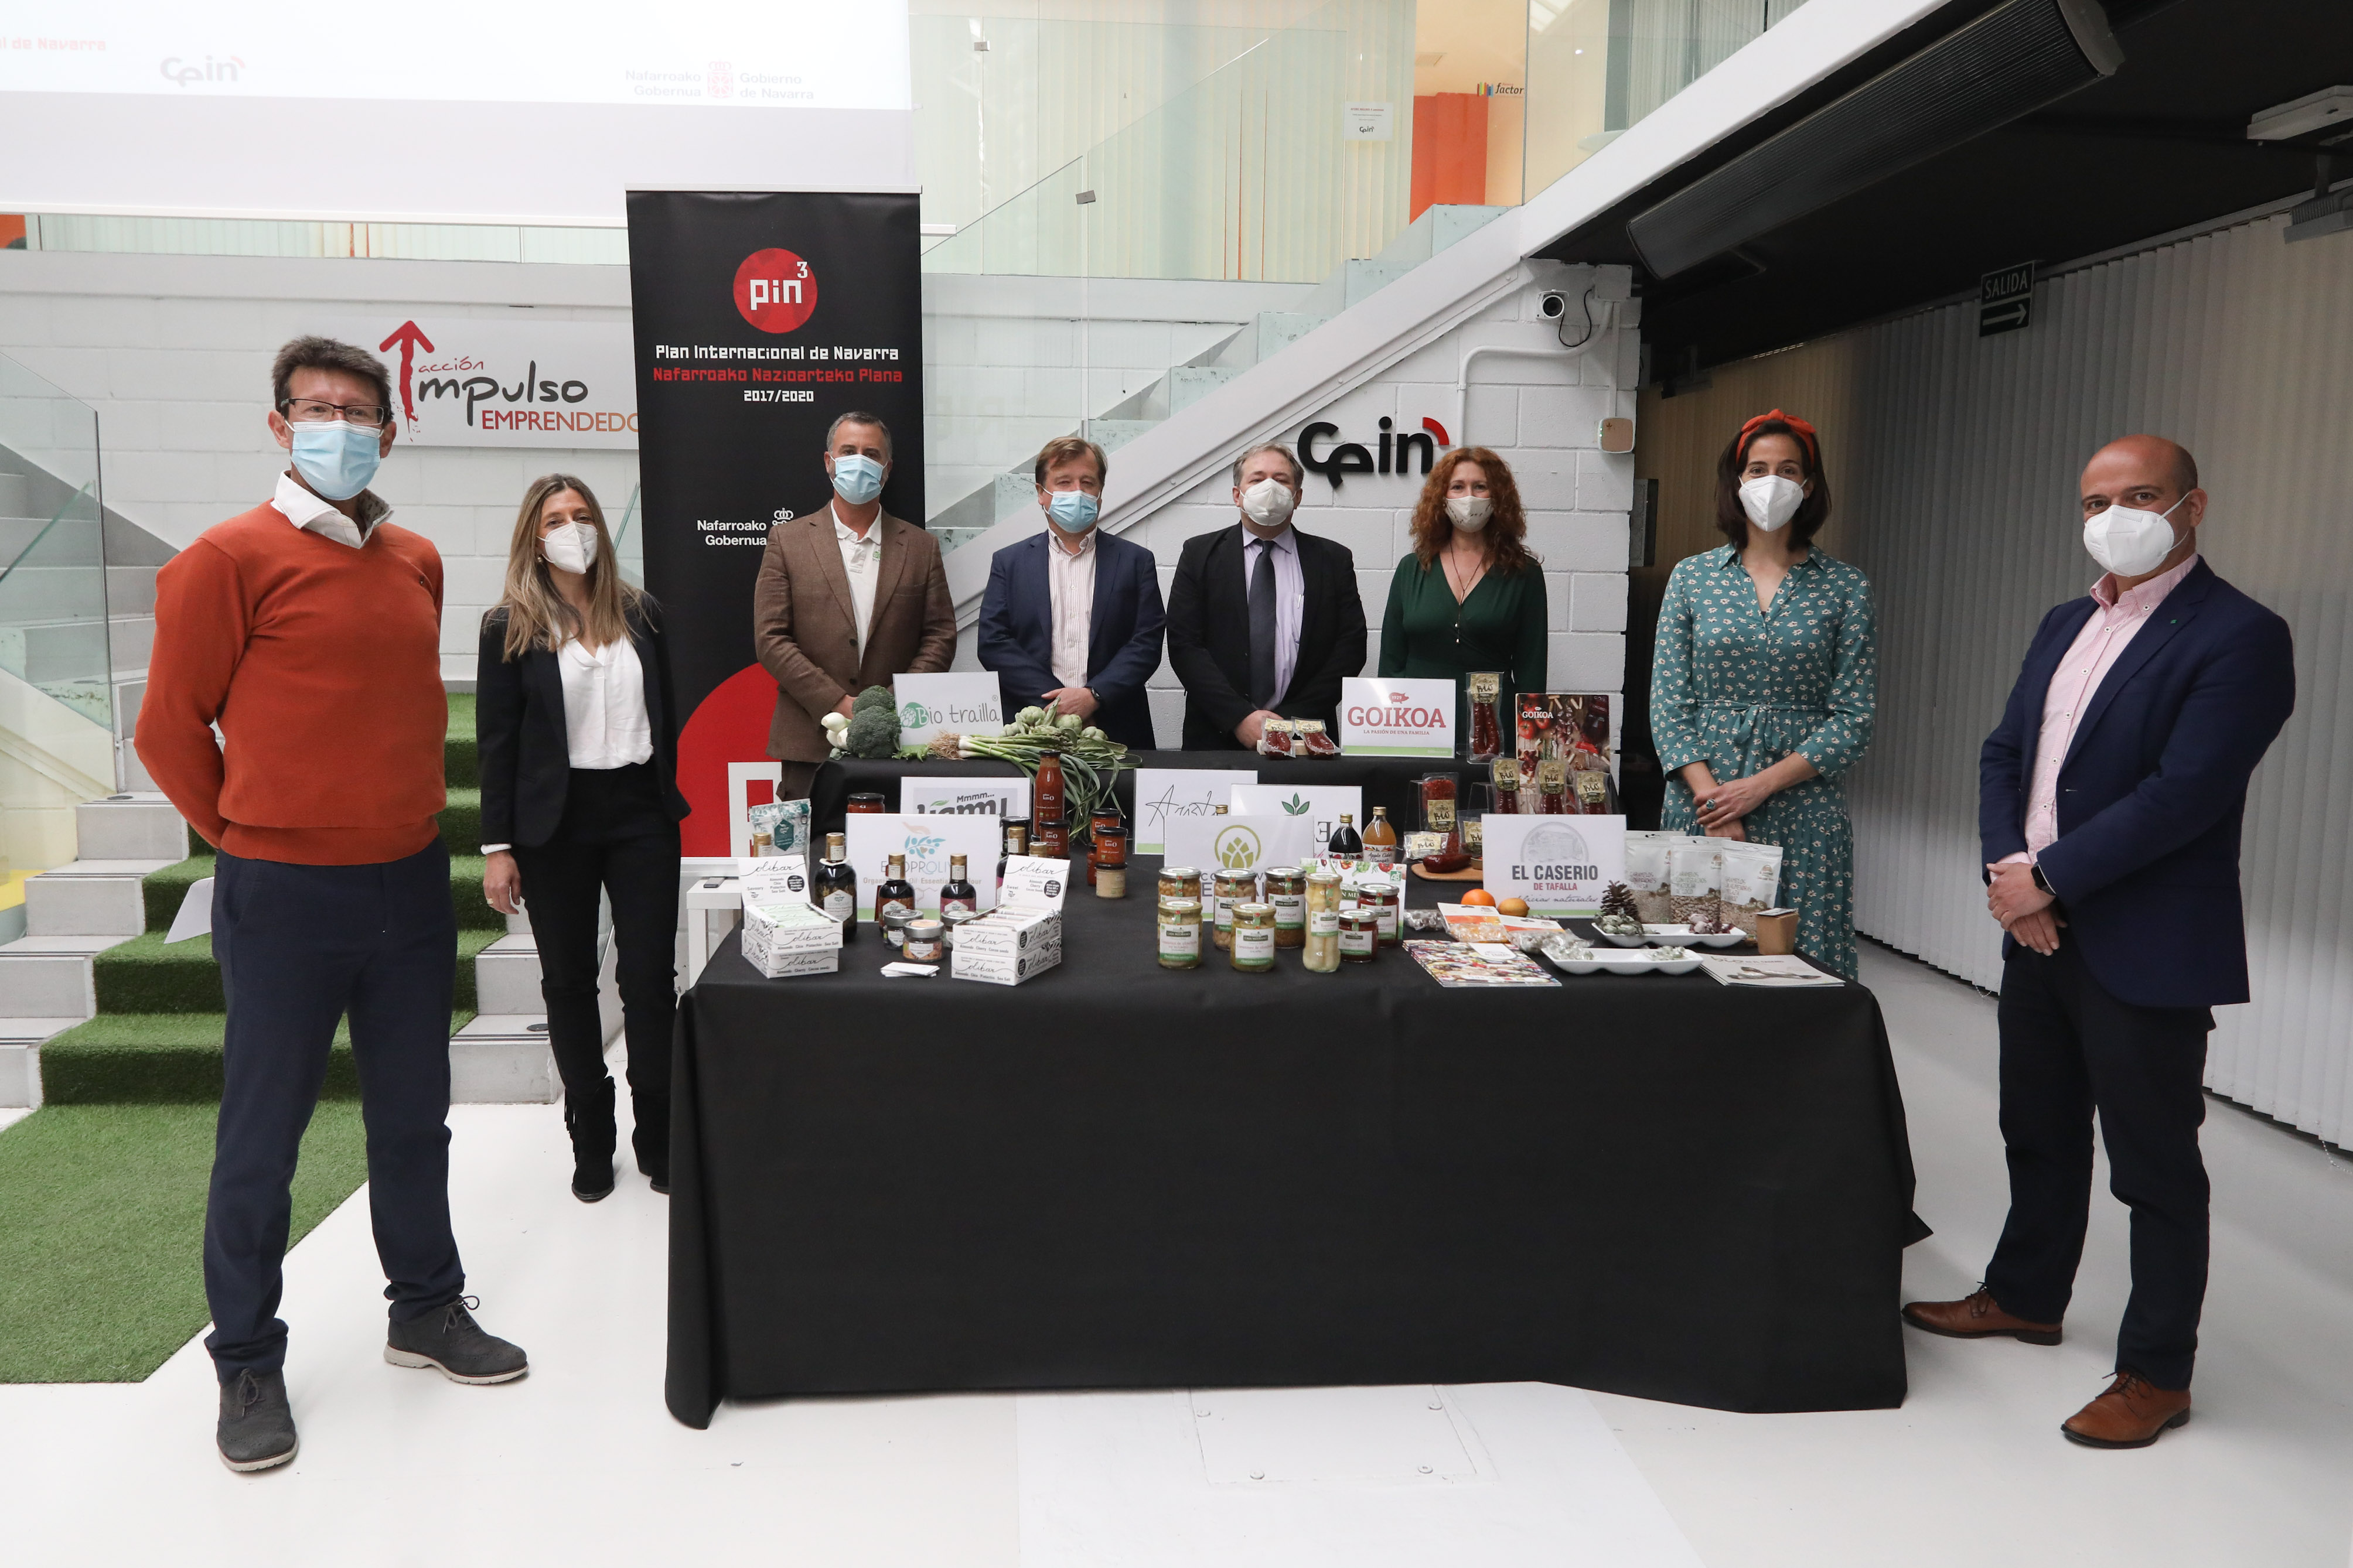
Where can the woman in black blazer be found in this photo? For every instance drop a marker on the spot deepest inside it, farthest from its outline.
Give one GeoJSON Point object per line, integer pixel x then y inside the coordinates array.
{"type": "Point", "coordinates": [578, 734]}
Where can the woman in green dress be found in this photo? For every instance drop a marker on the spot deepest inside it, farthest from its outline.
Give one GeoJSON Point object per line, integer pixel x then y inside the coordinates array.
{"type": "Point", "coordinates": [1469, 597]}
{"type": "Point", "coordinates": [1764, 680]}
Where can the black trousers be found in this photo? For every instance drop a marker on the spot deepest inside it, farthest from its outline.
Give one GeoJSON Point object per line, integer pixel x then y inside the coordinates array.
{"type": "Point", "coordinates": [300, 946]}
{"type": "Point", "coordinates": [2067, 1049]}
{"type": "Point", "coordinates": [614, 836]}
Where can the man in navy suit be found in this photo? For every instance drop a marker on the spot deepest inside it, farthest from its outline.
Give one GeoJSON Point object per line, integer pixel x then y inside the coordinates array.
{"type": "Point", "coordinates": [1073, 619]}
{"type": "Point", "coordinates": [2110, 799]}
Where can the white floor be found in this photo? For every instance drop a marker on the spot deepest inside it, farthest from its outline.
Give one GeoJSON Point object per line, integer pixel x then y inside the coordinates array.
{"type": "Point", "coordinates": [580, 1464]}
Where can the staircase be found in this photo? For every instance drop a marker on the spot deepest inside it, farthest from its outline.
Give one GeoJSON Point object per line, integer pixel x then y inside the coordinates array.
{"type": "Point", "coordinates": [96, 1006]}
{"type": "Point", "coordinates": [1010, 494]}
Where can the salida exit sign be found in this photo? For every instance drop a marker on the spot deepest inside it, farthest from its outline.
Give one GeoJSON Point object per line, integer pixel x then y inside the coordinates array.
{"type": "Point", "coordinates": [2004, 298]}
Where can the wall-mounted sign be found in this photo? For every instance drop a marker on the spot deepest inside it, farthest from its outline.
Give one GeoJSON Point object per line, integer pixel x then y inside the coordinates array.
{"type": "Point", "coordinates": [1393, 716]}
{"type": "Point", "coordinates": [1367, 122]}
{"type": "Point", "coordinates": [2005, 300]}
{"type": "Point", "coordinates": [1560, 865]}
{"type": "Point", "coordinates": [460, 382]}
{"type": "Point", "coordinates": [1338, 461]}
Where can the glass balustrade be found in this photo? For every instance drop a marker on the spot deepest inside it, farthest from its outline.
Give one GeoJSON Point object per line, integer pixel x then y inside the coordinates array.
{"type": "Point", "coordinates": [57, 700]}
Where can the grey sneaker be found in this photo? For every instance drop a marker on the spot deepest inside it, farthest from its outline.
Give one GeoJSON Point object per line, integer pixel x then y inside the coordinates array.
{"type": "Point", "coordinates": [448, 1340]}
{"type": "Point", "coordinates": [257, 1423]}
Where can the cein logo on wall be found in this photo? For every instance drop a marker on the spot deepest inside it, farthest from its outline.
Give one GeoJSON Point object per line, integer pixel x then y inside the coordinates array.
{"type": "Point", "coordinates": [1337, 463]}
{"type": "Point", "coordinates": [774, 291]}
{"type": "Point", "coordinates": [463, 381]}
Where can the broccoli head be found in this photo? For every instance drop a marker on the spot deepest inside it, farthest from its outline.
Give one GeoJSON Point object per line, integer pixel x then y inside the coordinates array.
{"type": "Point", "coordinates": [874, 697]}
{"type": "Point", "coordinates": [872, 732]}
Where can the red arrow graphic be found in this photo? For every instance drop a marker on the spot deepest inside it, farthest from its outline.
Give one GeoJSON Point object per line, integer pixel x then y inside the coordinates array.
{"type": "Point", "coordinates": [1432, 426]}
{"type": "Point", "coordinates": [410, 337]}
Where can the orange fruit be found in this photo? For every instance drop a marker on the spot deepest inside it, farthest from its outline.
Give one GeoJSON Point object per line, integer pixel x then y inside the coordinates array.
{"type": "Point", "coordinates": [1479, 896]}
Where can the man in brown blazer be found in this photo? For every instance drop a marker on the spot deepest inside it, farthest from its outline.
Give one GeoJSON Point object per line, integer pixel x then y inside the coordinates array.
{"type": "Point", "coordinates": [847, 597]}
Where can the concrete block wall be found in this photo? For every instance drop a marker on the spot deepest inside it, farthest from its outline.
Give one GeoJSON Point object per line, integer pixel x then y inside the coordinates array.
{"type": "Point", "coordinates": [173, 352]}
{"type": "Point", "coordinates": [1540, 410]}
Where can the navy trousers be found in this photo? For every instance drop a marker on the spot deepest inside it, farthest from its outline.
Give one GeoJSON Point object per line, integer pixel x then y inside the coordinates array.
{"type": "Point", "coordinates": [300, 947]}
{"type": "Point", "coordinates": [2067, 1049]}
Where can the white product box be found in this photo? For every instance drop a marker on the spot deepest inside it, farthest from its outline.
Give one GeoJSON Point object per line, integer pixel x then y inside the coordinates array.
{"type": "Point", "coordinates": [783, 939]}
{"type": "Point", "coordinates": [1008, 946]}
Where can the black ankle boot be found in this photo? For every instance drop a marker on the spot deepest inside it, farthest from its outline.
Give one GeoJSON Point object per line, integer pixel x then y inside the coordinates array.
{"type": "Point", "coordinates": [588, 1117]}
{"type": "Point", "coordinates": [651, 1137]}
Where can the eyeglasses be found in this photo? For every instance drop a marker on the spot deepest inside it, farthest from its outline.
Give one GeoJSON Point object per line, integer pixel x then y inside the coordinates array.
{"type": "Point", "coordinates": [303, 410]}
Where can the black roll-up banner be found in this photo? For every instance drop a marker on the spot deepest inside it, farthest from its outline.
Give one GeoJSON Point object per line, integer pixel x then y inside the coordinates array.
{"type": "Point", "coordinates": [759, 318]}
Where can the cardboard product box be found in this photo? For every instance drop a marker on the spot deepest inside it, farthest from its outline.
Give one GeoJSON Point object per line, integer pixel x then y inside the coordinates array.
{"type": "Point", "coordinates": [1008, 946]}
{"type": "Point", "coordinates": [785, 938]}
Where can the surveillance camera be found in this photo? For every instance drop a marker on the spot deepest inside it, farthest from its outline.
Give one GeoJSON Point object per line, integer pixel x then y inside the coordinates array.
{"type": "Point", "coordinates": [1555, 305]}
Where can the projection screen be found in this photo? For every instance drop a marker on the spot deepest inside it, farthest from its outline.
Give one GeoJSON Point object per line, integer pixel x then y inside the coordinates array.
{"type": "Point", "coordinates": [444, 110]}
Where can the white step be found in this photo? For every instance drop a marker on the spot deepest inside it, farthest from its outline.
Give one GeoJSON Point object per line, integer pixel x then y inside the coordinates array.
{"type": "Point", "coordinates": [138, 825]}
{"type": "Point", "coordinates": [506, 977]}
{"type": "Point", "coordinates": [502, 1060]}
{"type": "Point", "coordinates": [20, 1056]}
{"type": "Point", "coordinates": [50, 976]}
{"type": "Point", "coordinates": [90, 897]}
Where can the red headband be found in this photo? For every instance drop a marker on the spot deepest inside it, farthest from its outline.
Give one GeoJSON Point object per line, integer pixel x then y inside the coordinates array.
{"type": "Point", "coordinates": [1805, 431]}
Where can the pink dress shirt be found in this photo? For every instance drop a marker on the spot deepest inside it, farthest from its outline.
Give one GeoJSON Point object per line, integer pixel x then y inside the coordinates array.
{"type": "Point", "coordinates": [2094, 651]}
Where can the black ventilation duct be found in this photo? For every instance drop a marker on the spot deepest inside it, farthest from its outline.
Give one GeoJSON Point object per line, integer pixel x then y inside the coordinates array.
{"type": "Point", "coordinates": [2009, 62]}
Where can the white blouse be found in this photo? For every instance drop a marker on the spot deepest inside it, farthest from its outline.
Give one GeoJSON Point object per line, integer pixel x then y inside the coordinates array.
{"type": "Point", "coordinates": [604, 705]}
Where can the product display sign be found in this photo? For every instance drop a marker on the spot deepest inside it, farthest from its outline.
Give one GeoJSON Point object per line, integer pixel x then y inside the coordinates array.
{"type": "Point", "coordinates": [1560, 865]}
{"type": "Point", "coordinates": [1396, 716]}
{"type": "Point", "coordinates": [1035, 882]}
{"type": "Point", "coordinates": [461, 380]}
{"type": "Point", "coordinates": [774, 879]}
{"type": "Point", "coordinates": [1215, 844]}
{"type": "Point", "coordinates": [1319, 805]}
{"type": "Point", "coordinates": [758, 318]}
{"type": "Point", "coordinates": [872, 838]}
{"type": "Point", "coordinates": [961, 703]}
{"type": "Point", "coordinates": [1168, 795]}
{"type": "Point", "coordinates": [945, 796]}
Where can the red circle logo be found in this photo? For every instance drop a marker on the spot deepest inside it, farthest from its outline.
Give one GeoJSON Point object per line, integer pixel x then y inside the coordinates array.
{"type": "Point", "coordinates": [775, 290]}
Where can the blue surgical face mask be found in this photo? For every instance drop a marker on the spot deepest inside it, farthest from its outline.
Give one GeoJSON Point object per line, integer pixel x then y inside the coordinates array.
{"type": "Point", "coordinates": [857, 480]}
{"type": "Point", "coordinates": [1073, 511]}
{"type": "Point", "coordinates": [335, 458]}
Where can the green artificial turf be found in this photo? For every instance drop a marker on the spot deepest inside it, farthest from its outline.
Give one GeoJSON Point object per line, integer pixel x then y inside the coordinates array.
{"type": "Point", "coordinates": [153, 1058]}
{"type": "Point", "coordinates": [461, 765]}
{"type": "Point", "coordinates": [166, 889]}
{"type": "Point", "coordinates": [461, 822]}
{"type": "Point", "coordinates": [148, 974]}
{"type": "Point", "coordinates": [102, 1232]}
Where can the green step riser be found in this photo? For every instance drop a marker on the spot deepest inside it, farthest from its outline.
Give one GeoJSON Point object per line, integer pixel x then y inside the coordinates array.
{"type": "Point", "coordinates": [92, 1064]}
{"type": "Point", "coordinates": [144, 975]}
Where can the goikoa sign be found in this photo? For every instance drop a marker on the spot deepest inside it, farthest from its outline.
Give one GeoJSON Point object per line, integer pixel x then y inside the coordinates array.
{"type": "Point", "coordinates": [1393, 716]}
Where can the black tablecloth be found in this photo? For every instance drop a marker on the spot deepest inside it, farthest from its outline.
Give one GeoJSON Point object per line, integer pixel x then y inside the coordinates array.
{"type": "Point", "coordinates": [1386, 781]}
{"type": "Point", "coordinates": [1117, 1175]}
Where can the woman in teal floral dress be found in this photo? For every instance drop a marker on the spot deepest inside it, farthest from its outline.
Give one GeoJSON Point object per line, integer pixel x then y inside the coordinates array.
{"type": "Point", "coordinates": [1764, 680]}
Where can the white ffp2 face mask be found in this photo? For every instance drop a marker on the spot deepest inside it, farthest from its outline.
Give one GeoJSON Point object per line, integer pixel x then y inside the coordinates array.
{"type": "Point", "coordinates": [2128, 541]}
{"type": "Point", "coordinates": [1469, 513]}
{"type": "Point", "coordinates": [1268, 502]}
{"type": "Point", "coordinates": [1771, 500]}
{"type": "Point", "coordinates": [571, 547]}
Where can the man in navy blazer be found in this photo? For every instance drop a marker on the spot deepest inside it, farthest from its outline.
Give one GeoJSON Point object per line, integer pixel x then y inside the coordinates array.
{"type": "Point", "coordinates": [1072, 618]}
{"type": "Point", "coordinates": [2110, 799]}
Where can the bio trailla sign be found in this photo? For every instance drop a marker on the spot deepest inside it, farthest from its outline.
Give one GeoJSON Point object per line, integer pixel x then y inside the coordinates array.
{"type": "Point", "coordinates": [1393, 716]}
{"type": "Point", "coordinates": [457, 382]}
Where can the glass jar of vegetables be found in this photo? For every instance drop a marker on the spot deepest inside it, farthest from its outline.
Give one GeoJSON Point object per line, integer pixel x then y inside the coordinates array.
{"type": "Point", "coordinates": [1233, 888]}
{"type": "Point", "coordinates": [1322, 937]}
{"type": "Point", "coordinates": [1179, 924]}
{"type": "Point", "coordinates": [1252, 937]}
{"type": "Point", "coordinates": [1286, 889]}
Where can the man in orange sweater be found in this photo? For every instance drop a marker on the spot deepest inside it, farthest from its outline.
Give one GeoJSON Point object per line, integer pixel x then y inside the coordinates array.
{"type": "Point", "coordinates": [309, 630]}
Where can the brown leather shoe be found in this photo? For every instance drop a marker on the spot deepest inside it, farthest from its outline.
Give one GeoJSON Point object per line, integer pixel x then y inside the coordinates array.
{"type": "Point", "coordinates": [2130, 1414]}
{"type": "Point", "coordinates": [1976, 1316]}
